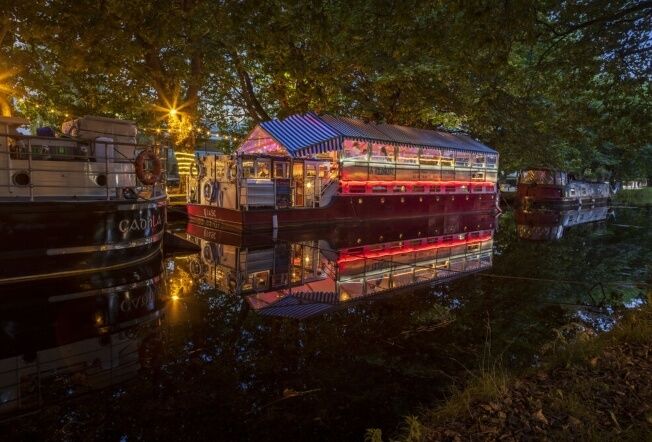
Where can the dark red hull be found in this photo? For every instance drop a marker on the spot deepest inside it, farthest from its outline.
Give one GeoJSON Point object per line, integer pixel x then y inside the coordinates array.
{"type": "Point", "coordinates": [552, 196]}
{"type": "Point", "coordinates": [342, 209]}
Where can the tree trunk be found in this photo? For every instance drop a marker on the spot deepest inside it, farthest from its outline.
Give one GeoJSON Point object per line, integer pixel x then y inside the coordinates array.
{"type": "Point", "coordinates": [254, 108]}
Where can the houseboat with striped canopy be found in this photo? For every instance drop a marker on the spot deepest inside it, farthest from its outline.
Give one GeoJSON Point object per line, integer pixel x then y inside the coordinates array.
{"type": "Point", "coordinates": [310, 168]}
{"type": "Point", "coordinates": [308, 272]}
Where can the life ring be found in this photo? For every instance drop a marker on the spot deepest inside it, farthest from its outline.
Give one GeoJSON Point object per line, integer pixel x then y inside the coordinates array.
{"type": "Point", "coordinates": [196, 268]}
{"type": "Point", "coordinates": [148, 177]}
{"type": "Point", "coordinates": [211, 190]}
{"type": "Point", "coordinates": [197, 170]}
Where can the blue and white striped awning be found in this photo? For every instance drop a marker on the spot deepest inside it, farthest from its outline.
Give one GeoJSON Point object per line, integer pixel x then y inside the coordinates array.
{"type": "Point", "coordinates": [303, 134]}
{"type": "Point", "coordinates": [310, 134]}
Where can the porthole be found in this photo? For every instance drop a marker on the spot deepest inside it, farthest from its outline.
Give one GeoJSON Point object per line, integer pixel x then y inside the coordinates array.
{"type": "Point", "coordinates": [21, 179]}
{"type": "Point", "coordinates": [101, 180]}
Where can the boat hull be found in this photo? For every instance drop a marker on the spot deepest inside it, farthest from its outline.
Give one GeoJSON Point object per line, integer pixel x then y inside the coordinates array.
{"type": "Point", "coordinates": [342, 209]}
{"type": "Point", "coordinates": [50, 239]}
{"type": "Point", "coordinates": [556, 196]}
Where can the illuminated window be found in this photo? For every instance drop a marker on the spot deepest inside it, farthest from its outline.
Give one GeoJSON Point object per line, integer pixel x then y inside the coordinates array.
{"type": "Point", "coordinates": [281, 170]}
{"type": "Point", "coordinates": [447, 158]}
{"type": "Point", "coordinates": [408, 155]}
{"type": "Point", "coordinates": [263, 168]}
{"type": "Point", "coordinates": [355, 151]}
{"type": "Point", "coordinates": [383, 153]}
{"type": "Point", "coordinates": [248, 168]}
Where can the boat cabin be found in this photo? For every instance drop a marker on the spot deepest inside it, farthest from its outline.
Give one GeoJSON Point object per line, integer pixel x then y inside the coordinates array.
{"type": "Point", "coordinates": [94, 158]}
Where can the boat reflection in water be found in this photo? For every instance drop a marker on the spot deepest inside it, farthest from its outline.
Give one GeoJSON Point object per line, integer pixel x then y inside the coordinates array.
{"type": "Point", "coordinates": [539, 225]}
{"type": "Point", "coordinates": [304, 275]}
{"type": "Point", "coordinates": [69, 336]}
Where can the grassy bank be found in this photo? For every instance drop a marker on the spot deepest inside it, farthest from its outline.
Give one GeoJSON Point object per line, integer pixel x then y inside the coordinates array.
{"type": "Point", "coordinates": [591, 388]}
{"type": "Point", "coordinates": [637, 197]}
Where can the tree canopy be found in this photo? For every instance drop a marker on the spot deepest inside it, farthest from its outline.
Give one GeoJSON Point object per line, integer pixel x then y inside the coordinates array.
{"type": "Point", "coordinates": [565, 84]}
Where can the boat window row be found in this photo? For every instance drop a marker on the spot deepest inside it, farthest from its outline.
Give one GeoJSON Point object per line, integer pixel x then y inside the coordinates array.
{"type": "Point", "coordinates": [408, 187]}
{"type": "Point", "coordinates": [375, 279]}
{"type": "Point", "coordinates": [363, 161]}
{"type": "Point", "coordinates": [36, 148]}
{"type": "Point", "coordinates": [542, 176]}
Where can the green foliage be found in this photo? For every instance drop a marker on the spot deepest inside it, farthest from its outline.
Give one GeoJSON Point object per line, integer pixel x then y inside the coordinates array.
{"type": "Point", "coordinates": [635, 196]}
{"type": "Point", "coordinates": [373, 435]}
{"type": "Point", "coordinates": [563, 84]}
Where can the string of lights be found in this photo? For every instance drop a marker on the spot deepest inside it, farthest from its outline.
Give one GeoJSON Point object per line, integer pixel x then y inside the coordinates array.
{"type": "Point", "coordinates": [27, 106]}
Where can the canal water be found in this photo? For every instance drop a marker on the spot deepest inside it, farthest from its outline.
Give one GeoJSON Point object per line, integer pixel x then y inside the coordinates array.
{"type": "Point", "coordinates": [175, 346]}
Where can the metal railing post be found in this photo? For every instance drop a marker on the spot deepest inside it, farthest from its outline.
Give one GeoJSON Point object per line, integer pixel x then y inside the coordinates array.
{"type": "Point", "coordinates": [29, 169]}
{"type": "Point", "coordinates": [106, 167]}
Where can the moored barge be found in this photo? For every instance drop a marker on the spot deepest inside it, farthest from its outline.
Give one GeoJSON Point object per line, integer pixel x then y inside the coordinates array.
{"type": "Point", "coordinates": [310, 169]}
{"type": "Point", "coordinates": [78, 203]}
{"type": "Point", "coordinates": [300, 274]}
{"type": "Point", "coordinates": [549, 188]}
{"type": "Point", "coordinates": [62, 338]}
{"type": "Point", "coordinates": [542, 225]}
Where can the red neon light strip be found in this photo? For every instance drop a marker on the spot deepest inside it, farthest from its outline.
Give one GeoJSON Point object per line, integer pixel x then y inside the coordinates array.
{"type": "Point", "coordinates": [417, 183]}
{"type": "Point", "coordinates": [420, 248]}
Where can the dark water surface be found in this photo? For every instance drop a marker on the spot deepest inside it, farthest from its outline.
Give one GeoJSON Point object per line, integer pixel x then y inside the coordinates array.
{"type": "Point", "coordinates": [214, 344]}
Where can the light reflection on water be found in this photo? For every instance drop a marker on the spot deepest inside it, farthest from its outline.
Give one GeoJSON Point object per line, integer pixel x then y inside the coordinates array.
{"type": "Point", "coordinates": [248, 339]}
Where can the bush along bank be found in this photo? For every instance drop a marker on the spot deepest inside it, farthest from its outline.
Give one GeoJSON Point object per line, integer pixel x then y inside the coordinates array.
{"type": "Point", "coordinates": [593, 388]}
{"type": "Point", "coordinates": [638, 197]}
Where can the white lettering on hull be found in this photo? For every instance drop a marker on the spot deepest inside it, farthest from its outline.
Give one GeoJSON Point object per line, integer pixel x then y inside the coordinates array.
{"type": "Point", "coordinates": [210, 213]}
{"type": "Point", "coordinates": [137, 303]}
{"type": "Point", "coordinates": [140, 224]}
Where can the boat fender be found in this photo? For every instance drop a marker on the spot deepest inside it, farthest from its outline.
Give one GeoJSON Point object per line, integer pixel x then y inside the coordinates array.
{"type": "Point", "coordinates": [129, 193]}
{"type": "Point", "coordinates": [211, 190]}
{"type": "Point", "coordinates": [148, 177]}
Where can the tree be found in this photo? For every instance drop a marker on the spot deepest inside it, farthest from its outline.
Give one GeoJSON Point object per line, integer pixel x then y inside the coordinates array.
{"type": "Point", "coordinates": [565, 84]}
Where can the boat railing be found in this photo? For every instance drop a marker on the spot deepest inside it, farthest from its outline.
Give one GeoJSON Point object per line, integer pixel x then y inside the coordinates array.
{"type": "Point", "coordinates": [328, 190]}
{"type": "Point", "coordinates": [36, 167]}
{"type": "Point", "coordinates": [257, 193]}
